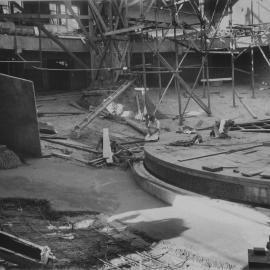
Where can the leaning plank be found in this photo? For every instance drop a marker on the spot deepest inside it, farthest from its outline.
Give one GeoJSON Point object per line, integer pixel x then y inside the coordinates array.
{"type": "Point", "coordinates": [90, 117]}
{"type": "Point", "coordinates": [261, 130]}
{"type": "Point", "coordinates": [246, 106]}
{"type": "Point", "coordinates": [107, 151]}
{"type": "Point", "coordinates": [71, 144]}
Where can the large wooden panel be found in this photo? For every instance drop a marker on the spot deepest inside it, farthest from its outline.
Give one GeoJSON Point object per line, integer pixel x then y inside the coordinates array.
{"type": "Point", "coordinates": [18, 118]}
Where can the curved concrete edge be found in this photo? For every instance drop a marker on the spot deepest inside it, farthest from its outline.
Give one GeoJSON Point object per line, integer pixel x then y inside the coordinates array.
{"type": "Point", "coordinates": [156, 187]}
{"type": "Point", "coordinates": [209, 184]}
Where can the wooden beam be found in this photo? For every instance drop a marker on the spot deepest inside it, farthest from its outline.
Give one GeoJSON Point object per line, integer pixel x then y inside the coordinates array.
{"type": "Point", "coordinates": [31, 16]}
{"type": "Point", "coordinates": [107, 151]}
{"type": "Point", "coordinates": [62, 46]}
{"type": "Point", "coordinates": [185, 85]}
{"type": "Point", "coordinates": [97, 13]}
{"type": "Point", "coordinates": [82, 27]}
{"type": "Point", "coordinates": [125, 30]}
{"type": "Point", "coordinates": [90, 117]}
{"type": "Point", "coordinates": [121, 61]}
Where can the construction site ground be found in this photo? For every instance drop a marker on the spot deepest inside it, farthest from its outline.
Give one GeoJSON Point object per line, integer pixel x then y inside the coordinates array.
{"type": "Point", "coordinates": [96, 218]}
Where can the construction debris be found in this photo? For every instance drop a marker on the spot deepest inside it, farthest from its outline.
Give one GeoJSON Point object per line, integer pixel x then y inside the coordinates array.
{"type": "Point", "coordinates": [187, 140]}
{"type": "Point", "coordinates": [8, 159]}
{"type": "Point", "coordinates": [222, 128]}
{"type": "Point", "coordinates": [90, 117]}
{"type": "Point", "coordinates": [24, 253]}
{"type": "Point", "coordinates": [137, 126]}
{"type": "Point", "coordinates": [46, 128]}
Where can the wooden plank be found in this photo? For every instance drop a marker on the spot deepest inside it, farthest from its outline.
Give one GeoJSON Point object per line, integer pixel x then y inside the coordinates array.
{"type": "Point", "coordinates": [261, 130]}
{"type": "Point", "coordinates": [212, 168]}
{"type": "Point", "coordinates": [216, 79]}
{"type": "Point", "coordinates": [252, 172]}
{"type": "Point", "coordinates": [62, 46]}
{"type": "Point", "coordinates": [24, 253]}
{"type": "Point", "coordinates": [90, 117]}
{"type": "Point", "coordinates": [184, 84]}
{"type": "Point", "coordinates": [221, 153]}
{"type": "Point", "coordinates": [125, 30]}
{"type": "Point", "coordinates": [107, 151]}
{"type": "Point", "coordinates": [71, 144]}
{"type": "Point", "coordinates": [82, 27]}
{"type": "Point", "coordinates": [97, 13]}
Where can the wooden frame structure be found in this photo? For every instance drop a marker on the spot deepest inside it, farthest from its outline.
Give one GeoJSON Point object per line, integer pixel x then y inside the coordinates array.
{"type": "Point", "coordinates": [114, 27]}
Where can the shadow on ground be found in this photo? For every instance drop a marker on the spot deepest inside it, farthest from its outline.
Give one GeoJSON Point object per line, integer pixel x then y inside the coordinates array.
{"type": "Point", "coordinates": [158, 229]}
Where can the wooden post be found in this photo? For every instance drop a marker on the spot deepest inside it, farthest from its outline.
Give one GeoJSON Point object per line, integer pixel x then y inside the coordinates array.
{"type": "Point", "coordinates": [233, 79]}
{"type": "Point", "coordinates": [177, 86]}
{"type": "Point", "coordinates": [158, 60]}
{"type": "Point", "coordinates": [143, 66]}
{"type": "Point", "coordinates": [231, 49]}
{"type": "Point", "coordinates": [252, 53]}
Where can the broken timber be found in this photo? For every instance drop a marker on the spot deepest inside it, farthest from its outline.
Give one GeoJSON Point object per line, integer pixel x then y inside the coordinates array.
{"type": "Point", "coordinates": [90, 117]}
{"type": "Point", "coordinates": [23, 253]}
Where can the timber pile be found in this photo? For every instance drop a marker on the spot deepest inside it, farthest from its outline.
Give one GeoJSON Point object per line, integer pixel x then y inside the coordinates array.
{"type": "Point", "coordinates": [108, 152]}
{"type": "Point", "coordinates": [117, 154]}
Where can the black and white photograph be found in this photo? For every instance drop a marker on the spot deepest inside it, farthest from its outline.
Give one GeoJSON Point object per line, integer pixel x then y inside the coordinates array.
{"type": "Point", "coordinates": [135, 134]}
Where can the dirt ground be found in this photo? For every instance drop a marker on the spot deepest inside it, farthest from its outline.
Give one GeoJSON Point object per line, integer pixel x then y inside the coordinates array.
{"type": "Point", "coordinates": [194, 233]}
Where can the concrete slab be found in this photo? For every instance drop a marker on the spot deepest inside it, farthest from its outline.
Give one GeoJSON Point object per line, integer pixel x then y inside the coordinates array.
{"type": "Point", "coordinates": [70, 187]}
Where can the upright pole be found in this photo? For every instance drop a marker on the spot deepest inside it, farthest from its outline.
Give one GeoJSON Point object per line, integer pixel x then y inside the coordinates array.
{"type": "Point", "coordinates": [143, 64]}
{"type": "Point", "coordinates": [252, 53]}
{"type": "Point", "coordinates": [158, 60]}
{"type": "Point", "coordinates": [201, 7]}
{"type": "Point", "coordinates": [177, 86]}
{"type": "Point", "coordinates": [92, 52]}
{"type": "Point", "coordinates": [144, 74]}
{"type": "Point", "coordinates": [206, 61]}
{"type": "Point", "coordinates": [231, 50]}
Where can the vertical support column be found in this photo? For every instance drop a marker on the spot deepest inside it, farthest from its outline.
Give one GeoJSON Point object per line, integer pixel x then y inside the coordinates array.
{"type": "Point", "coordinates": [129, 52]}
{"type": "Point", "coordinates": [143, 64]}
{"type": "Point", "coordinates": [92, 52]}
{"type": "Point", "coordinates": [144, 74]}
{"type": "Point", "coordinates": [252, 71]}
{"type": "Point", "coordinates": [206, 61]}
{"type": "Point", "coordinates": [112, 44]}
{"type": "Point", "coordinates": [233, 79]}
{"type": "Point", "coordinates": [44, 75]}
{"type": "Point", "coordinates": [207, 81]}
{"type": "Point", "coordinates": [232, 49]}
{"type": "Point", "coordinates": [141, 9]}
{"type": "Point", "coordinates": [202, 26]}
{"type": "Point", "coordinates": [176, 82]}
{"type": "Point", "coordinates": [158, 60]}
{"type": "Point", "coordinates": [252, 53]}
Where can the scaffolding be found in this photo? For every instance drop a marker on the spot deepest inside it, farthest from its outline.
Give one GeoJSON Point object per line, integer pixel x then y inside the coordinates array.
{"type": "Point", "coordinates": [115, 28]}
